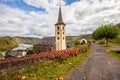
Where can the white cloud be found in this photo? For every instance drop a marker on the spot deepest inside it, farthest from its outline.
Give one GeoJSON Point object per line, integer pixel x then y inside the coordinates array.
{"type": "Point", "coordinates": [81, 17]}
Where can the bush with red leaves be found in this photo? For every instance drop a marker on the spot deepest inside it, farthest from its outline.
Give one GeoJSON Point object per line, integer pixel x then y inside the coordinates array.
{"type": "Point", "coordinates": [53, 55]}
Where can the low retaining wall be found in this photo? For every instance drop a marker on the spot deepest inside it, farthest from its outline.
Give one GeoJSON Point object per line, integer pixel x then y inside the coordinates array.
{"type": "Point", "coordinates": [10, 65]}
{"type": "Point", "coordinates": [7, 67]}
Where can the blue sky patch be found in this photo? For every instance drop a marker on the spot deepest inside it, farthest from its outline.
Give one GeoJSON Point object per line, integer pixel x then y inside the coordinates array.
{"type": "Point", "coordinates": [69, 2]}
{"type": "Point", "coordinates": [21, 5]}
{"type": "Point", "coordinates": [27, 8]}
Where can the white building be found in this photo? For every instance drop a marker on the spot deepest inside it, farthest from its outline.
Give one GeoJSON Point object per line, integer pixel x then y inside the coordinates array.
{"type": "Point", "coordinates": [83, 41]}
{"type": "Point", "coordinates": [19, 51]}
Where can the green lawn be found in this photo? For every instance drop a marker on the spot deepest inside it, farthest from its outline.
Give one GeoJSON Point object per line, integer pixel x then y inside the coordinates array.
{"type": "Point", "coordinates": [114, 53]}
{"type": "Point", "coordinates": [50, 70]}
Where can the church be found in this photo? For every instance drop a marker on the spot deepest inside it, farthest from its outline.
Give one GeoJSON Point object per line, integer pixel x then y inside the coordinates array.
{"type": "Point", "coordinates": [53, 43]}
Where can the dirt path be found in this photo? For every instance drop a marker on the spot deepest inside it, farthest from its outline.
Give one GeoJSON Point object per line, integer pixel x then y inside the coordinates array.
{"type": "Point", "coordinates": [98, 66]}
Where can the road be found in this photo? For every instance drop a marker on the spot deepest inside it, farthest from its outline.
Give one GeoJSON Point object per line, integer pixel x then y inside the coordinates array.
{"type": "Point", "coordinates": [98, 66]}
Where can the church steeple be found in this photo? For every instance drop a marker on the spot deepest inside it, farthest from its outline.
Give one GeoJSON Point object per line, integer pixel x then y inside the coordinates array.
{"type": "Point", "coordinates": [60, 20]}
{"type": "Point", "coordinates": [60, 32]}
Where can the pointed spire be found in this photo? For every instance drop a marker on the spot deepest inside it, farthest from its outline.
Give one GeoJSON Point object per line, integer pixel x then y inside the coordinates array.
{"type": "Point", "coordinates": [60, 20]}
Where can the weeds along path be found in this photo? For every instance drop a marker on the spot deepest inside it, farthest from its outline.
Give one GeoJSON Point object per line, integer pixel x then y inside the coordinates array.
{"type": "Point", "coordinates": [98, 66]}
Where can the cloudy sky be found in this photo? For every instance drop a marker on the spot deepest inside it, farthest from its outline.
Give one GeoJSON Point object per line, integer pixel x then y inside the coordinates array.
{"type": "Point", "coordinates": [36, 18]}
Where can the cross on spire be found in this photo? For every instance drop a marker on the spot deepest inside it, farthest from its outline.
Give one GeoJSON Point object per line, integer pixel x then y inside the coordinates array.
{"type": "Point", "coordinates": [59, 3]}
{"type": "Point", "coordinates": [60, 20]}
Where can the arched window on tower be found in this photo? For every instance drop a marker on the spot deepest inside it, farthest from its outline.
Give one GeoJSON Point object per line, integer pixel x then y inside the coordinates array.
{"type": "Point", "coordinates": [63, 28]}
{"type": "Point", "coordinates": [63, 32]}
{"type": "Point", "coordinates": [58, 33]}
{"type": "Point", "coordinates": [58, 28]}
{"type": "Point", "coordinates": [58, 38]}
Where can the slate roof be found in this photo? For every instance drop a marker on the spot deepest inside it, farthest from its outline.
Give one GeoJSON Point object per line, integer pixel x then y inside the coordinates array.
{"type": "Point", "coordinates": [46, 41]}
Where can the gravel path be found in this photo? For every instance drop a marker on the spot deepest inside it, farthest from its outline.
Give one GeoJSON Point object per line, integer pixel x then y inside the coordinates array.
{"type": "Point", "coordinates": [98, 66]}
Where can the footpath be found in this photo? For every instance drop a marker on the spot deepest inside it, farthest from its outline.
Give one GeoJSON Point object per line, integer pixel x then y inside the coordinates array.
{"type": "Point", "coordinates": [98, 66]}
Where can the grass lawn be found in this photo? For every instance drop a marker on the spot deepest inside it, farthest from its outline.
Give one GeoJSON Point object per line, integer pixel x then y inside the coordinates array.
{"type": "Point", "coordinates": [114, 53]}
{"type": "Point", "coordinates": [49, 70]}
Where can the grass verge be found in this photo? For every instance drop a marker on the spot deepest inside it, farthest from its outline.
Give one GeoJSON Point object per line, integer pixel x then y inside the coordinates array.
{"type": "Point", "coordinates": [49, 70]}
{"type": "Point", "coordinates": [115, 54]}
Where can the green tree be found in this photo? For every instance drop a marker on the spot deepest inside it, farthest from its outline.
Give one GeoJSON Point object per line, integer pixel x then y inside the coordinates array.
{"type": "Point", "coordinates": [1, 54]}
{"type": "Point", "coordinates": [118, 25]}
{"type": "Point", "coordinates": [30, 52]}
{"type": "Point", "coordinates": [106, 32]}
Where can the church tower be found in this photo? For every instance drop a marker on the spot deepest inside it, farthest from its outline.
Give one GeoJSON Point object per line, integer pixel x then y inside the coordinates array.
{"type": "Point", "coordinates": [60, 34]}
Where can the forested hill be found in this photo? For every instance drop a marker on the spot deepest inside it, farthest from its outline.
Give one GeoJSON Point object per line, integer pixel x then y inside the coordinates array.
{"type": "Point", "coordinates": [7, 43]}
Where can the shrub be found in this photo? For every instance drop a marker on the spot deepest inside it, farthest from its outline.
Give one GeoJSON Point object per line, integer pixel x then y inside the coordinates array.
{"type": "Point", "coordinates": [53, 55]}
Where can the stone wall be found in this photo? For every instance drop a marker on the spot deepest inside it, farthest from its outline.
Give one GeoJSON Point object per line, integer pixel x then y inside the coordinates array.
{"type": "Point", "coordinates": [7, 67]}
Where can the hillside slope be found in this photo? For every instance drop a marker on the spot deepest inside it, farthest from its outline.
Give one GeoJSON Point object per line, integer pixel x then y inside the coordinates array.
{"type": "Point", "coordinates": [26, 40]}
{"type": "Point", "coordinates": [7, 43]}
{"type": "Point", "coordinates": [78, 38]}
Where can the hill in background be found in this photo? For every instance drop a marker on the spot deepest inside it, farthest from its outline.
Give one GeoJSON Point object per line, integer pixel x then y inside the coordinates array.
{"type": "Point", "coordinates": [7, 43]}
{"type": "Point", "coordinates": [78, 38]}
{"type": "Point", "coordinates": [26, 40]}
